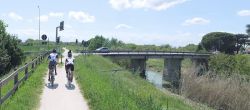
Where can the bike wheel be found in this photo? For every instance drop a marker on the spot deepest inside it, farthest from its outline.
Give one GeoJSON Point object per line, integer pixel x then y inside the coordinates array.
{"type": "Point", "coordinates": [69, 75]}
{"type": "Point", "coordinates": [52, 80]}
{"type": "Point", "coordinates": [52, 77]}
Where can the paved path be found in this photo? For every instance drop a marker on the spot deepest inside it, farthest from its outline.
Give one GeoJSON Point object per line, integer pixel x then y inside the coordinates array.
{"type": "Point", "coordinates": [62, 97]}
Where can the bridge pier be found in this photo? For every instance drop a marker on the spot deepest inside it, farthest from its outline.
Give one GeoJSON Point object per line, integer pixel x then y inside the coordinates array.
{"type": "Point", "coordinates": [201, 65]}
{"type": "Point", "coordinates": [172, 71]}
{"type": "Point", "coordinates": [139, 65]}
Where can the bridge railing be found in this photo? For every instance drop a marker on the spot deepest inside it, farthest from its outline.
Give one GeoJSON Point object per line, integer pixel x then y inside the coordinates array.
{"type": "Point", "coordinates": [146, 52]}
{"type": "Point", "coordinates": [13, 80]}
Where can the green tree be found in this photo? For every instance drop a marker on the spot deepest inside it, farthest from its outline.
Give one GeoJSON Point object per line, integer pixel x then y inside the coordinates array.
{"type": "Point", "coordinates": [96, 42]}
{"type": "Point", "coordinates": [248, 29]}
{"type": "Point", "coordinates": [241, 41]}
{"type": "Point", "coordinates": [221, 41]}
{"type": "Point", "coordinates": [29, 42]}
{"type": "Point", "coordinates": [10, 53]}
{"type": "Point", "coordinates": [76, 41]}
{"type": "Point", "coordinates": [4, 61]}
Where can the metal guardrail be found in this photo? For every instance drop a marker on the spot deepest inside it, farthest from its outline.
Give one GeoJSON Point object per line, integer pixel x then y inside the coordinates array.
{"type": "Point", "coordinates": [147, 53]}
{"type": "Point", "coordinates": [14, 76]}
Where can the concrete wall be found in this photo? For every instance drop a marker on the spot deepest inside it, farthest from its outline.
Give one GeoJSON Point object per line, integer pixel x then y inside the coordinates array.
{"type": "Point", "coordinates": [172, 71]}
{"type": "Point", "coordinates": [139, 65]}
{"type": "Point", "coordinates": [201, 65]}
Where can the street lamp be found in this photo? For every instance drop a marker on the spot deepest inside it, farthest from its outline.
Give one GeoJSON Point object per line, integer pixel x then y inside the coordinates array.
{"type": "Point", "coordinates": [39, 22]}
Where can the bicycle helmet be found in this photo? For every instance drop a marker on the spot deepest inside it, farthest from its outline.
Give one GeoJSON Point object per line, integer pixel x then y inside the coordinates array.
{"type": "Point", "coordinates": [69, 54]}
{"type": "Point", "coordinates": [54, 51]}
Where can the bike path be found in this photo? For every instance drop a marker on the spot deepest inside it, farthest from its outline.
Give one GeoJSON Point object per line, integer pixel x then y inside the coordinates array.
{"type": "Point", "coordinates": [61, 96]}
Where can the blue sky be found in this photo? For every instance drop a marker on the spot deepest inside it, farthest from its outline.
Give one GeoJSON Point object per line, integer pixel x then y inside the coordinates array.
{"type": "Point", "coordinates": [174, 22]}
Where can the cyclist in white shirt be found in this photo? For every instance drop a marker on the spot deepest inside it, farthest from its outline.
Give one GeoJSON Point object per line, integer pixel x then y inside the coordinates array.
{"type": "Point", "coordinates": [52, 61]}
{"type": "Point", "coordinates": [69, 62]}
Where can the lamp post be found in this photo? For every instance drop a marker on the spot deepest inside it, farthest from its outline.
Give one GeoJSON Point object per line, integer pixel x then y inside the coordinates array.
{"type": "Point", "coordinates": [39, 22]}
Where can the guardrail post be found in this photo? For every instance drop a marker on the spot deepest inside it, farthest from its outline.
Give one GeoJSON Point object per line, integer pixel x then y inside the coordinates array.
{"type": "Point", "coordinates": [1, 92]}
{"type": "Point", "coordinates": [26, 71]}
{"type": "Point", "coordinates": [36, 62]}
{"type": "Point", "coordinates": [16, 80]}
{"type": "Point", "coordinates": [38, 58]}
{"type": "Point", "coordinates": [32, 66]}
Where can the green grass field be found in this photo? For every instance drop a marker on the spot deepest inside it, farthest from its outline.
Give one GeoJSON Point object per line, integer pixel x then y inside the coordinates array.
{"type": "Point", "coordinates": [28, 95]}
{"type": "Point", "coordinates": [121, 90]}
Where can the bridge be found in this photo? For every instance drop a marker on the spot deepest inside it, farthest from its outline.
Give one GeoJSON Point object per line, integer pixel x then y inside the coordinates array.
{"type": "Point", "coordinates": [172, 61]}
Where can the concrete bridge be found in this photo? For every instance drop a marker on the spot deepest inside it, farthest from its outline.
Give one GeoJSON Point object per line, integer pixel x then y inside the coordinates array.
{"type": "Point", "coordinates": [172, 61]}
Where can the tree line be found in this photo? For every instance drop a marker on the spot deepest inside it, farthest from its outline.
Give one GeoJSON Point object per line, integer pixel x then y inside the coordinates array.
{"type": "Point", "coordinates": [115, 44]}
{"type": "Point", "coordinates": [224, 42]}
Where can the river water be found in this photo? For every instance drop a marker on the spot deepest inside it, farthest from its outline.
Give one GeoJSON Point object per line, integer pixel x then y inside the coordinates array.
{"type": "Point", "coordinates": [154, 78]}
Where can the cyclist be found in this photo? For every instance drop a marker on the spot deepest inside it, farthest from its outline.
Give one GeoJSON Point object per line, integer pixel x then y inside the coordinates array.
{"type": "Point", "coordinates": [53, 61]}
{"type": "Point", "coordinates": [69, 52]}
{"type": "Point", "coordinates": [69, 63]}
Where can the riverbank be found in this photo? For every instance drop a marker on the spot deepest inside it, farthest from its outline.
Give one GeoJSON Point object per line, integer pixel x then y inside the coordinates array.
{"type": "Point", "coordinates": [108, 86]}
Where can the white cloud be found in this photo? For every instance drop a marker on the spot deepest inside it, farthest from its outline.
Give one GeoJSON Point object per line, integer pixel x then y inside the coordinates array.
{"type": "Point", "coordinates": [244, 13]}
{"type": "Point", "coordinates": [43, 18]}
{"type": "Point", "coordinates": [81, 16]}
{"type": "Point", "coordinates": [120, 4]}
{"type": "Point", "coordinates": [15, 16]}
{"type": "Point", "coordinates": [123, 26]}
{"type": "Point", "coordinates": [157, 5]}
{"type": "Point", "coordinates": [196, 21]}
{"type": "Point", "coordinates": [56, 14]}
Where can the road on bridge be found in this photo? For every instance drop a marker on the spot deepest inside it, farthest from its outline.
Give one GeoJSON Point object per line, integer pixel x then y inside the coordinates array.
{"type": "Point", "coordinates": [62, 97]}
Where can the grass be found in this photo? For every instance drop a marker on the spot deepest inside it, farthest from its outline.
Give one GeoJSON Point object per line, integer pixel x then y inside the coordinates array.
{"type": "Point", "coordinates": [36, 47]}
{"type": "Point", "coordinates": [28, 95]}
{"type": "Point", "coordinates": [221, 93]}
{"type": "Point", "coordinates": [121, 90]}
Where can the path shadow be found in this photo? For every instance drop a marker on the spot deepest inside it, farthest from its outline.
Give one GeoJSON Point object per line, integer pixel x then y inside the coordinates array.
{"type": "Point", "coordinates": [70, 87]}
{"type": "Point", "coordinates": [48, 85]}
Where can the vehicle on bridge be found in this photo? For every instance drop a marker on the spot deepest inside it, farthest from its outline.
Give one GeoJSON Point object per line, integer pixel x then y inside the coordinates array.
{"type": "Point", "coordinates": [102, 50]}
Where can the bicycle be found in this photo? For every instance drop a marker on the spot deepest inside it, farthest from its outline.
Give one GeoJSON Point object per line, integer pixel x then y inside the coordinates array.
{"type": "Point", "coordinates": [51, 73]}
{"type": "Point", "coordinates": [69, 75]}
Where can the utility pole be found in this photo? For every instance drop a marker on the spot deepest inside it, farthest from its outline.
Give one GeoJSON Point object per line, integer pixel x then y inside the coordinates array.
{"type": "Point", "coordinates": [39, 23]}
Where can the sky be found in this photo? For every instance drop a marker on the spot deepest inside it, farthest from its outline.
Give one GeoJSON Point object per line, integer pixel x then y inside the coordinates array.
{"type": "Point", "coordinates": [158, 22]}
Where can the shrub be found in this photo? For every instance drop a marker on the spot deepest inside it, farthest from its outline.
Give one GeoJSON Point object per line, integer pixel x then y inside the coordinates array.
{"type": "Point", "coordinates": [228, 64]}
{"type": "Point", "coordinates": [10, 53]}
{"type": "Point", "coordinates": [221, 93]}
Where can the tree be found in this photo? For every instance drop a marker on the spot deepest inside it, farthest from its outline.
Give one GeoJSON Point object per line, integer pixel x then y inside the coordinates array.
{"type": "Point", "coordinates": [10, 53]}
{"type": "Point", "coordinates": [29, 42]}
{"type": "Point", "coordinates": [219, 41]}
{"type": "Point", "coordinates": [76, 41]}
{"type": "Point", "coordinates": [241, 41]}
{"type": "Point", "coordinates": [248, 29]}
{"type": "Point", "coordinates": [96, 42]}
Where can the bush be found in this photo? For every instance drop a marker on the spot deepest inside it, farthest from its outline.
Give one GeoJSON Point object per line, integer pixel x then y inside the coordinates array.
{"type": "Point", "coordinates": [221, 93]}
{"type": "Point", "coordinates": [228, 64]}
{"type": "Point", "coordinates": [10, 53]}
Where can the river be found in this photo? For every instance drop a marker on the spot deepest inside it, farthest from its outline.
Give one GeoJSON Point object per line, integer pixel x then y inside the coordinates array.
{"type": "Point", "coordinates": [154, 78]}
